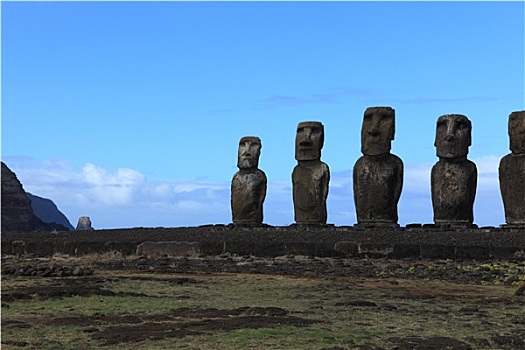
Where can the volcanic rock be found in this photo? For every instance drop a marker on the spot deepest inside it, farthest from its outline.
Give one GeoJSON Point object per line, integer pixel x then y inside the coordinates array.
{"type": "Point", "coordinates": [84, 224]}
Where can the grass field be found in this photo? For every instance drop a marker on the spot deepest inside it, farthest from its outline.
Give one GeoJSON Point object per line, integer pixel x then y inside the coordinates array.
{"type": "Point", "coordinates": [135, 309]}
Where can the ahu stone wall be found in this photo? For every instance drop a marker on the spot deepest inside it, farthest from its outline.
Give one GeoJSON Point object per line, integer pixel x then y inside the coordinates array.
{"type": "Point", "coordinates": [320, 241]}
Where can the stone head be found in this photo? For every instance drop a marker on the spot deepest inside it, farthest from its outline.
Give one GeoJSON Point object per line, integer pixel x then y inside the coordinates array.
{"type": "Point", "coordinates": [377, 131]}
{"type": "Point", "coordinates": [453, 136]}
{"type": "Point", "coordinates": [249, 152]}
{"type": "Point", "coordinates": [517, 132]}
{"type": "Point", "coordinates": [309, 141]}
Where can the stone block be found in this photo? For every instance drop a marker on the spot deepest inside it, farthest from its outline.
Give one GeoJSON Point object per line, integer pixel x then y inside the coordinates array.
{"type": "Point", "coordinates": [69, 247]}
{"type": "Point", "coordinates": [328, 250]}
{"type": "Point", "coordinates": [18, 247]}
{"type": "Point", "coordinates": [239, 247]}
{"type": "Point", "coordinates": [270, 249]}
{"type": "Point", "coordinates": [84, 248]}
{"type": "Point", "coordinates": [473, 252]}
{"type": "Point", "coordinates": [169, 248]}
{"type": "Point", "coordinates": [125, 248]}
{"type": "Point", "coordinates": [211, 248]}
{"type": "Point", "coordinates": [375, 250]}
{"type": "Point", "coordinates": [39, 249]}
{"type": "Point", "coordinates": [436, 251]}
{"type": "Point", "coordinates": [402, 251]}
{"type": "Point", "coordinates": [301, 248]}
{"type": "Point", "coordinates": [349, 249]}
{"type": "Point", "coordinates": [508, 253]}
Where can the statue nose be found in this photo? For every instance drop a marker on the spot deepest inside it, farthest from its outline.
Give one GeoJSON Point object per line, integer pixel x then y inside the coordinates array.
{"type": "Point", "coordinates": [449, 137]}
{"type": "Point", "coordinates": [373, 132]}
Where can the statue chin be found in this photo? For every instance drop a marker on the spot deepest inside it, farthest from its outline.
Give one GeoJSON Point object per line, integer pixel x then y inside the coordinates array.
{"type": "Point", "coordinates": [451, 154]}
{"type": "Point", "coordinates": [307, 155]}
{"type": "Point", "coordinates": [247, 164]}
{"type": "Point", "coordinates": [375, 150]}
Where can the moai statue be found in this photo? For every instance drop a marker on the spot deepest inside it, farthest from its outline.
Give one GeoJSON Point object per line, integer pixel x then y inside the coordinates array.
{"type": "Point", "coordinates": [310, 176]}
{"type": "Point", "coordinates": [453, 177]}
{"type": "Point", "coordinates": [378, 174]}
{"type": "Point", "coordinates": [248, 187]}
{"type": "Point", "coordinates": [512, 172]}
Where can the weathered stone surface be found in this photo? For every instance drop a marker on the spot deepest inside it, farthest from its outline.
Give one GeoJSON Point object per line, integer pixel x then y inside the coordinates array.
{"type": "Point", "coordinates": [437, 251]}
{"type": "Point", "coordinates": [434, 243]}
{"type": "Point", "coordinates": [311, 176]}
{"type": "Point", "coordinates": [239, 247]}
{"type": "Point", "coordinates": [211, 248]}
{"type": "Point", "coordinates": [39, 249]}
{"type": "Point", "coordinates": [125, 248]}
{"type": "Point", "coordinates": [84, 248]}
{"type": "Point", "coordinates": [349, 249]}
{"type": "Point", "coordinates": [472, 252]}
{"type": "Point", "coordinates": [512, 172]}
{"type": "Point", "coordinates": [328, 250]}
{"type": "Point", "coordinates": [171, 248]}
{"type": "Point", "coordinates": [402, 251]}
{"type": "Point", "coordinates": [378, 174]}
{"type": "Point", "coordinates": [248, 186]}
{"type": "Point", "coordinates": [84, 224]}
{"type": "Point", "coordinates": [18, 247]}
{"type": "Point", "coordinates": [453, 177]}
{"type": "Point", "coordinates": [372, 250]}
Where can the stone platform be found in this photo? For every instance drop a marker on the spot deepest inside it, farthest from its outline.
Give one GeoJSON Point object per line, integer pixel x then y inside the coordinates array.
{"type": "Point", "coordinates": [413, 241]}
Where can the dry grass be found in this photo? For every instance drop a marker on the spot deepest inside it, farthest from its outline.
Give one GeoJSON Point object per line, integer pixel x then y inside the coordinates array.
{"type": "Point", "coordinates": [352, 313]}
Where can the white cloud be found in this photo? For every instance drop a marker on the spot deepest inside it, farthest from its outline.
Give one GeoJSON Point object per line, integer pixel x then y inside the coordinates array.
{"type": "Point", "coordinates": [112, 189]}
{"type": "Point", "coordinates": [126, 198]}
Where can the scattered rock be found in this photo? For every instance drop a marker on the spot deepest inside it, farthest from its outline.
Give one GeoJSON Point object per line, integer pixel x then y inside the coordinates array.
{"type": "Point", "coordinates": [51, 270]}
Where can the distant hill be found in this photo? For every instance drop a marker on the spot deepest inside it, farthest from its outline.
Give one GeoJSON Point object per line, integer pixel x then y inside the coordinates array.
{"type": "Point", "coordinates": [47, 211]}
{"type": "Point", "coordinates": [17, 213]}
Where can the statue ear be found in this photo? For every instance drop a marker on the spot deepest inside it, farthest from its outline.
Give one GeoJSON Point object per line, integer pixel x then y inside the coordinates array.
{"type": "Point", "coordinates": [393, 129]}
{"type": "Point", "coordinates": [470, 133]}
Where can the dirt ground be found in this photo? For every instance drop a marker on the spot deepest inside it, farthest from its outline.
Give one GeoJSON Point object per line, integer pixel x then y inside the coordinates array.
{"type": "Point", "coordinates": [382, 275]}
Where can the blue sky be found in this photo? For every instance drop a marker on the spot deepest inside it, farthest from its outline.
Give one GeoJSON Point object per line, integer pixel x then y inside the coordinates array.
{"type": "Point", "coordinates": [131, 112]}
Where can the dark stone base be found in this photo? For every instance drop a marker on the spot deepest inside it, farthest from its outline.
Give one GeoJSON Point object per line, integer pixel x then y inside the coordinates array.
{"type": "Point", "coordinates": [320, 240]}
{"type": "Point", "coordinates": [454, 225]}
{"type": "Point", "coordinates": [513, 226]}
{"type": "Point", "coordinates": [365, 225]}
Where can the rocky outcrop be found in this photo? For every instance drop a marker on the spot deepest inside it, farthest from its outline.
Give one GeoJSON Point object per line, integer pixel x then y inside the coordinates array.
{"type": "Point", "coordinates": [47, 211]}
{"type": "Point", "coordinates": [84, 224]}
{"type": "Point", "coordinates": [17, 213]}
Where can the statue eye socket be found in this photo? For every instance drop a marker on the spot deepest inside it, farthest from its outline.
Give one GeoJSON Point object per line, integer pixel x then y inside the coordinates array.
{"type": "Point", "coordinates": [316, 130]}
{"type": "Point", "coordinates": [461, 125]}
{"type": "Point", "coordinates": [300, 130]}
